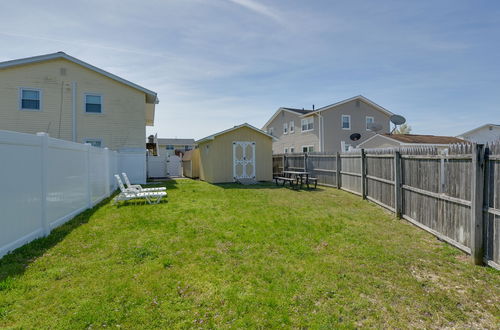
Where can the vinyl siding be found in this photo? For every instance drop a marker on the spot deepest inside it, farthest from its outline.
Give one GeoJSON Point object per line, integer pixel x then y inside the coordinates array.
{"type": "Point", "coordinates": [216, 161]}
{"type": "Point", "coordinates": [296, 139]}
{"type": "Point", "coordinates": [121, 125]}
{"type": "Point", "coordinates": [333, 132]}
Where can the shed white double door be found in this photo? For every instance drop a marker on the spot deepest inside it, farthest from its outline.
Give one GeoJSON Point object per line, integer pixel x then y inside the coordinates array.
{"type": "Point", "coordinates": [243, 160]}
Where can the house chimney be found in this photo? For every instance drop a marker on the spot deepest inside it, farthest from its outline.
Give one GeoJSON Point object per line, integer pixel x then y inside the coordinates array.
{"type": "Point", "coordinates": [313, 107]}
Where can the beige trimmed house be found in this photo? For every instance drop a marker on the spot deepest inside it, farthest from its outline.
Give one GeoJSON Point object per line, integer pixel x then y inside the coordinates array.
{"type": "Point", "coordinates": [170, 145]}
{"type": "Point", "coordinates": [327, 129]}
{"type": "Point", "coordinates": [72, 100]}
{"type": "Point", "coordinates": [242, 153]}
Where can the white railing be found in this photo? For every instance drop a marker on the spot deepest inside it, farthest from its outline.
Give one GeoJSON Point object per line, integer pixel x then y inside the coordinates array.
{"type": "Point", "coordinates": [44, 182]}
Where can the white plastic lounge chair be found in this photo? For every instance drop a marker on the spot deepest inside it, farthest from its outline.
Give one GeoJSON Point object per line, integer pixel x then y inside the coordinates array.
{"type": "Point", "coordinates": [138, 187]}
{"type": "Point", "coordinates": [152, 197]}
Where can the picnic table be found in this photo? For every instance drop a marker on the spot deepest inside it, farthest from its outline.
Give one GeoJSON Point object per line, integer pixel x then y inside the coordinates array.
{"type": "Point", "coordinates": [296, 178]}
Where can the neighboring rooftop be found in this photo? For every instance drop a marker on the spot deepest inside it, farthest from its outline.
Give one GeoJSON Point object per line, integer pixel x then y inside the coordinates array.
{"type": "Point", "coordinates": [175, 141]}
{"type": "Point", "coordinates": [301, 111]}
{"type": "Point", "coordinates": [424, 139]}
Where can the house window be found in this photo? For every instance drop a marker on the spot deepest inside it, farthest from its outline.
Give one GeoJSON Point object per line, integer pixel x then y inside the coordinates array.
{"type": "Point", "coordinates": [186, 148]}
{"type": "Point", "coordinates": [292, 126]}
{"type": "Point", "coordinates": [30, 99]}
{"type": "Point", "coordinates": [94, 142]}
{"type": "Point", "coordinates": [170, 147]}
{"type": "Point", "coordinates": [307, 148]}
{"type": "Point", "coordinates": [307, 124]}
{"type": "Point", "coordinates": [271, 131]}
{"type": "Point", "coordinates": [346, 122]}
{"type": "Point", "coordinates": [286, 150]}
{"type": "Point", "coordinates": [369, 121]}
{"type": "Point", "coordinates": [93, 103]}
{"type": "Point", "coordinates": [344, 146]}
{"type": "Point", "coordinates": [292, 150]}
{"type": "Point", "coordinates": [285, 128]}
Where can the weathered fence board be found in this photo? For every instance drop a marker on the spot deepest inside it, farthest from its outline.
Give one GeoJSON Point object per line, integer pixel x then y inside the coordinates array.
{"type": "Point", "coordinates": [428, 187]}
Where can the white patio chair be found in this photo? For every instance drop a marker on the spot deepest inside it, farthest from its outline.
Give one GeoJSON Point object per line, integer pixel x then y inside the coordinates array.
{"type": "Point", "coordinates": [152, 197]}
{"type": "Point", "coordinates": [138, 187]}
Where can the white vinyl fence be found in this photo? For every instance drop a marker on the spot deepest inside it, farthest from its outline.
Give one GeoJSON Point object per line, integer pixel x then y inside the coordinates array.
{"type": "Point", "coordinates": [45, 182]}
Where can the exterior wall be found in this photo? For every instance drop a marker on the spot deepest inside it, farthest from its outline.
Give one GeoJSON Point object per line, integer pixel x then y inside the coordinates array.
{"type": "Point", "coordinates": [121, 125]}
{"type": "Point", "coordinates": [358, 110]}
{"type": "Point", "coordinates": [162, 148]}
{"type": "Point", "coordinates": [296, 139]}
{"type": "Point", "coordinates": [483, 135]}
{"type": "Point", "coordinates": [216, 156]}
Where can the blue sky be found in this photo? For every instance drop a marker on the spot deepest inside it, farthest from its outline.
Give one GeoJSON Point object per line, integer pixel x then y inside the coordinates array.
{"type": "Point", "coordinates": [219, 63]}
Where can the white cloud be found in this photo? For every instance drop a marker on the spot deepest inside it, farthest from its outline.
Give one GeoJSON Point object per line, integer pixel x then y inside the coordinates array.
{"type": "Point", "coordinates": [260, 9]}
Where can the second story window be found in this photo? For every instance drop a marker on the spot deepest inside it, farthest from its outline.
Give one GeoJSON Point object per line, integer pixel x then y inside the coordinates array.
{"type": "Point", "coordinates": [93, 103]}
{"type": "Point", "coordinates": [346, 122]}
{"type": "Point", "coordinates": [292, 126]}
{"type": "Point", "coordinates": [30, 99]}
{"type": "Point", "coordinates": [94, 142]}
{"type": "Point", "coordinates": [307, 124]}
{"type": "Point", "coordinates": [187, 147]}
{"type": "Point", "coordinates": [285, 128]}
{"type": "Point", "coordinates": [369, 121]}
{"type": "Point", "coordinates": [170, 147]}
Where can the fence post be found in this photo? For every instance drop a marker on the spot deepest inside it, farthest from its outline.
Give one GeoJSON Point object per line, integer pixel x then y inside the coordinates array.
{"type": "Point", "coordinates": [305, 162]}
{"type": "Point", "coordinates": [363, 173]}
{"type": "Point", "coordinates": [398, 191]}
{"type": "Point", "coordinates": [44, 148]}
{"type": "Point", "coordinates": [285, 166]}
{"type": "Point", "coordinates": [89, 187]}
{"type": "Point", "coordinates": [339, 168]}
{"type": "Point", "coordinates": [477, 203]}
{"type": "Point", "coordinates": [107, 169]}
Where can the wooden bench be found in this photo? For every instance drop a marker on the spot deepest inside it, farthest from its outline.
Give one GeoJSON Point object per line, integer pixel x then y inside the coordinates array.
{"type": "Point", "coordinates": [310, 180]}
{"type": "Point", "coordinates": [285, 180]}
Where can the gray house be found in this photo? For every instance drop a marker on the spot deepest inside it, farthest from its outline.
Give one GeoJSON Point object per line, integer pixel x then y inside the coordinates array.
{"type": "Point", "coordinates": [327, 129]}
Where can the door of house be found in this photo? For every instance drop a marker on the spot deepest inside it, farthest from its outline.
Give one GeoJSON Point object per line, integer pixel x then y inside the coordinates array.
{"type": "Point", "coordinates": [243, 160]}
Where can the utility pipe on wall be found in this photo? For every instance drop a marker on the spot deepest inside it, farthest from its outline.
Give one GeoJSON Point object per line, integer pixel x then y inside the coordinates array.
{"type": "Point", "coordinates": [73, 109]}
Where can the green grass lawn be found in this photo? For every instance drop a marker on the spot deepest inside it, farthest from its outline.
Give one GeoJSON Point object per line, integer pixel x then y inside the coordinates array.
{"type": "Point", "coordinates": [244, 256]}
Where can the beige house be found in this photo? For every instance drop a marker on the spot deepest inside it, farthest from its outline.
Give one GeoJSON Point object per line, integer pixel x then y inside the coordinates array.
{"type": "Point", "coordinates": [327, 129]}
{"type": "Point", "coordinates": [409, 140]}
{"type": "Point", "coordinates": [170, 145]}
{"type": "Point", "coordinates": [236, 154]}
{"type": "Point", "coordinates": [73, 100]}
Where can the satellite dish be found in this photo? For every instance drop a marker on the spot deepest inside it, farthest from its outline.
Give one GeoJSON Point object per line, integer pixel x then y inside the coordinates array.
{"type": "Point", "coordinates": [355, 136]}
{"type": "Point", "coordinates": [398, 120]}
{"type": "Point", "coordinates": [375, 127]}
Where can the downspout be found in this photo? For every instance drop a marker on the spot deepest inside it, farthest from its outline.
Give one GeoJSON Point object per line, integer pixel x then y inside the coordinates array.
{"type": "Point", "coordinates": [73, 109]}
{"type": "Point", "coordinates": [320, 134]}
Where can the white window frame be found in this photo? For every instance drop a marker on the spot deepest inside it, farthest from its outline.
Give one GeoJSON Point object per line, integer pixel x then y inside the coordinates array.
{"type": "Point", "coordinates": [292, 150]}
{"type": "Point", "coordinates": [342, 122]}
{"type": "Point", "coordinates": [285, 150]}
{"type": "Point", "coordinates": [344, 147]}
{"type": "Point", "coordinates": [308, 121]}
{"type": "Point", "coordinates": [85, 103]}
{"type": "Point", "coordinates": [20, 98]}
{"type": "Point", "coordinates": [291, 128]}
{"type": "Point", "coordinates": [366, 121]}
{"type": "Point", "coordinates": [89, 140]}
{"type": "Point", "coordinates": [307, 147]}
{"type": "Point", "coordinates": [285, 128]}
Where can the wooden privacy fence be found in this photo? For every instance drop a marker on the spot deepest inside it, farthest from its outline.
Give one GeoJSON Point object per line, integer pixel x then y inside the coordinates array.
{"type": "Point", "coordinates": [452, 193]}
